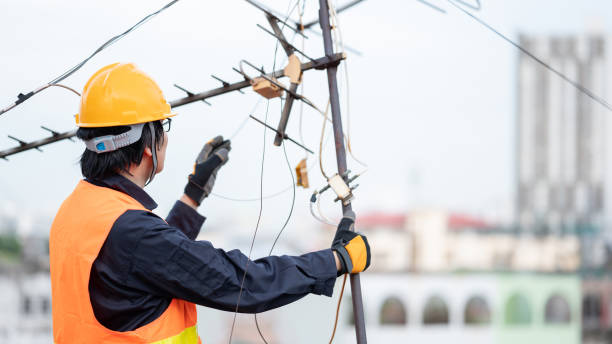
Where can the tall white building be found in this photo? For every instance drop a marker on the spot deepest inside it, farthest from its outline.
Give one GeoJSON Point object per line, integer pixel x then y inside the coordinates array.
{"type": "Point", "coordinates": [561, 137]}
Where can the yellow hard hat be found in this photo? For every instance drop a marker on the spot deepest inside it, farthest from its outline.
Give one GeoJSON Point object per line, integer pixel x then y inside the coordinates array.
{"type": "Point", "coordinates": [121, 94]}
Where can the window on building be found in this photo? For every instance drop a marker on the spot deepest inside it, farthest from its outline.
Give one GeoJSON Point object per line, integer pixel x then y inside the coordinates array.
{"type": "Point", "coordinates": [557, 310]}
{"type": "Point", "coordinates": [591, 311]}
{"type": "Point", "coordinates": [26, 305]}
{"type": "Point", "coordinates": [45, 305]}
{"type": "Point", "coordinates": [518, 311]}
{"type": "Point", "coordinates": [393, 312]}
{"type": "Point", "coordinates": [477, 311]}
{"type": "Point", "coordinates": [435, 312]}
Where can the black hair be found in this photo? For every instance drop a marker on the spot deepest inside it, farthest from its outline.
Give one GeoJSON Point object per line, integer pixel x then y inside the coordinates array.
{"type": "Point", "coordinates": [103, 165]}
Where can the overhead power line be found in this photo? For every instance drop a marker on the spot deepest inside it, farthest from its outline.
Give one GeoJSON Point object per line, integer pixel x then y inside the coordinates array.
{"type": "Point", "coordinates": [23, 97]}
{"type": "Point", "coordinates": [579, 87]}
{"type": "Point", "coordinates": [427, 3]}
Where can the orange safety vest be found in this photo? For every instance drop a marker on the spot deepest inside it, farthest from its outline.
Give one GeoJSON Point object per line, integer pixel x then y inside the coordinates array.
{"type": "Point", "coordinates": [77, 234]}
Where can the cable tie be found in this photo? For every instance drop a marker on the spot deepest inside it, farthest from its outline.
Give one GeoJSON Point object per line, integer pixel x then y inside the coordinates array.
{"type": "Point", "coordinates": [23, 97]}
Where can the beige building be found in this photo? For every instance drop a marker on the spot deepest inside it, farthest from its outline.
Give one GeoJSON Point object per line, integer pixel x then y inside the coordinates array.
{"type": "Point", "coordinates": [438, 241]}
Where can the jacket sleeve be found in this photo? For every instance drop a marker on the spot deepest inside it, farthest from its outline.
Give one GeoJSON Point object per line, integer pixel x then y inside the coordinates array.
{"type": "Point", "coordinates": [186, 219]}
{"type": "Point", "coordinates": [167, 263]}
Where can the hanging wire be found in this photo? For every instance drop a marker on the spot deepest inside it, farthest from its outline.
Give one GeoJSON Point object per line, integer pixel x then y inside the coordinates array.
{"type": "Point", "coordinates": [110, 42]}
{"type": "Point", "coordinates": [325, 218]}
{"type": "Point", "coordinates": [338, 309]}
{"type": "Point", "coordinates": [263, 157]}
{"type": "Point", "coordinates": [246, 119]}
{"type": "Point", "coordinates": [579, 87]}
{"type": "Point", "coordinates": [243, 124]}
{"type": "Point", "coordinates": [289, 11]}
{"type": "Point", "coordinates": [476, 7]}
{"type": "Point", "coordinates": [321, 140]}
{"type": "Point", "coordinates": [64, 87]}
{"type": "Point", "coordinates": [272, 195]}
{"type": "Point", "coordinates": [23, 97]}
{"type": "Point", "coordinates": [292, 201]}
{"type": "Point", "coordinates": [319, 217]}
{"type": "Point", "coordinates": [427, 3]}
{"type": "Point", "coordinates": [282, 228]}
{"type": "Point", "coordinates": [261, 335]}
{"type": "Point", "coordinates": [301, 24]}
{"type": "Point", "coordinates": [340, 43]}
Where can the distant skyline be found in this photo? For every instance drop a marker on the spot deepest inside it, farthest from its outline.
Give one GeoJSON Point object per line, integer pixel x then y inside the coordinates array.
{"type": "Point", "coordinates": [432, 99]}
{"type": "Point", "coordinates": [561, 135]}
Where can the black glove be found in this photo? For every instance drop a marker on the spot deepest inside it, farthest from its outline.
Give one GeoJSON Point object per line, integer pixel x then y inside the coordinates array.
{"type": "Point", "coordinates": [352, 248]}
{"type": "Point", "coordinates": [211, 158]}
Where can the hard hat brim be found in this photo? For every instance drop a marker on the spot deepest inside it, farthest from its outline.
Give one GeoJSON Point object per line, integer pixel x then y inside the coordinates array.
{"type": "Point", "coordinates": [119, 124]}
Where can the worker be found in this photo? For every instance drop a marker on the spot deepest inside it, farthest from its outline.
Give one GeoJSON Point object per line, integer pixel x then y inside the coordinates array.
{"type": "Point", "coordinates": [120, 273]}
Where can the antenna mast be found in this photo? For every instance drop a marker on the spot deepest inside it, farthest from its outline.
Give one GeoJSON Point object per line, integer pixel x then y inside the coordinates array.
{"type": "Point", "coordinates": [341, 156]}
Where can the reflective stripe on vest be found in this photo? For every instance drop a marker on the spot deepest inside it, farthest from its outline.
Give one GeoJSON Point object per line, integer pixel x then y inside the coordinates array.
{"type": "Point", "coordinates": [190, 335]}
{"type": "Point", "coordinates": [77, 234]}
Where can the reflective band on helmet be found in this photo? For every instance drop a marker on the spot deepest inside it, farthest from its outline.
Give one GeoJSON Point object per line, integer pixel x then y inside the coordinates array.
{"type": "Point", "coordinates": [188, 336]}
{"type": "Point", "coordinates": [111, 143]}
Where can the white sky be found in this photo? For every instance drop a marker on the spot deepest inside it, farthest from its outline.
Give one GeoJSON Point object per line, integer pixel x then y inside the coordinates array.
{"type": "Point", "coordinates": [432, 98]}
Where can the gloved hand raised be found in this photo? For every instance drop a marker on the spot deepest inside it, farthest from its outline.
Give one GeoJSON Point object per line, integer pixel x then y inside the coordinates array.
{"type": "Point", "coordinates": [352, 248]}
{"type": "Point", "coordinates": [209, 161]}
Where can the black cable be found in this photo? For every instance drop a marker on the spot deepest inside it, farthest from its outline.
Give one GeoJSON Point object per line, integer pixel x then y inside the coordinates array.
{"type": "Point", "coordinates": [289, 11]}
{"type": "Point", "coordinates": [261, 200]}
{"type": "Point", "coordinates": [23, 97]}
{"type": "Point", "coordinates": [292, 179]}
{"type": "Point", "coordinates": [579, 87]}
{"type": "Point", "coordinates": [476, 7]}
{"type": "Point", "coordinates": [263, 157]}
{"type": "Point", "coordinates": [282, 228]}
{"type": "Point", "coordinates": [110, 42]}
{"type": "Point", "coordinates": [292, 201]}
{"type": "Point", "coordinates": [432, 6]}
{"type": "Point", "coordinates": [259, 330]}
{"type": "Point", "coordinates": [272, 195]}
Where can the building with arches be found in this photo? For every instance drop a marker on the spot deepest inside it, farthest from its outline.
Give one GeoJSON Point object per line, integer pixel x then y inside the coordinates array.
{"type": "Point", "coordinates": [469, 308]}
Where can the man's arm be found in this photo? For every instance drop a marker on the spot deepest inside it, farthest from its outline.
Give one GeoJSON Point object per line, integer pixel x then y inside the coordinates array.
{"type": "Point", "coordinates": [185, 218]}
{"type": "Point", "coordinates": [167, 263]}
{"type": "Point", "coordinates": [178, 220]}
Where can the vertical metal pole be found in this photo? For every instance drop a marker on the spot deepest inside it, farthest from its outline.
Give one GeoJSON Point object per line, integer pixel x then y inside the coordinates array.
{"type": "Point", "coordinates": [341, 157]}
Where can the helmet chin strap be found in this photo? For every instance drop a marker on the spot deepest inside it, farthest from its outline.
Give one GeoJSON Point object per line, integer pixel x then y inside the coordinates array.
{"type": "Point", "coordinates": [153, 153]}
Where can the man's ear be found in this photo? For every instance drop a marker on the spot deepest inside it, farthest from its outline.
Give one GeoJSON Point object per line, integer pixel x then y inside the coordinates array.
{"type": "Point", "coordinates": [147, 152]}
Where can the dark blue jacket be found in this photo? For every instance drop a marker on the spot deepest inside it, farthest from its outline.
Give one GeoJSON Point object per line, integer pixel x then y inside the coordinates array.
{"type": "Point", "coordinates": [145, 262]}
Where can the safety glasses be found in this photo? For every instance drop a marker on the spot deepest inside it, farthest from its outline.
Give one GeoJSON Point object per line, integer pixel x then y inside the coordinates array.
{"type": "Point", "coordinates": [167, 124]}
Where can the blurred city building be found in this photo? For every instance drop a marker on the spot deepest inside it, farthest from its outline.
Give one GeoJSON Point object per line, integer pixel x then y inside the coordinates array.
{"type": "Point", "coordinates": [428, 245]}
{"type": "Point", "coordinates": [25, 307]}
{"type": "Point", "coordinates": [561, 153]}
{"type": "Point", "coordinates": [438, 241]}
{"type": "Point", "coordinates": [469, 308]}
{"type": "Point", "coordinates": [429, 308]}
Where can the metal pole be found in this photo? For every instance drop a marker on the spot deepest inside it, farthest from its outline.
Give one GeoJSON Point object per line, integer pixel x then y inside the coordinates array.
{"type": "Point", "coordinates": [341, 157]}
